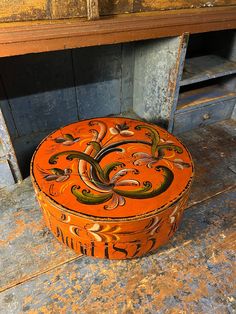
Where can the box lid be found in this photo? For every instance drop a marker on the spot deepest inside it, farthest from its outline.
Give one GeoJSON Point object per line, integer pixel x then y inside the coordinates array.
{"type": "Point", "coordinates": [108, 168]}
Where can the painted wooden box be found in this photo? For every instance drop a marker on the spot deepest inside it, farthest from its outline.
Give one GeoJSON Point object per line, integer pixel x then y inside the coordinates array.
{"type": "Point", "coordinates": [112, 187]}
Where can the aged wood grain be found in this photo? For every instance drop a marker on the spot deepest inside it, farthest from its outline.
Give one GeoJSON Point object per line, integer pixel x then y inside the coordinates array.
{"type": "Point", "coordinates": [68, 8]}
{"type": "Point", "coordinates": [127, 77]}
{"type": "Point", "coordinates": [193, 274]}
{"type": "Point", "coordinates": [149, 5]}
{"type": "Point", "coordinates": [22, 38]}
{"type": "Point", "coordinates": [109, 7]}
{"type": "Point", "coordinates": [2, 153]}
{"type": "Point", "coordinates": [155, 78]}
{"type": "Point", "coordinates": [213, 151]}
{"type": "Point", "coordinates": [13, 10]}
{"type": "Point", "coordinates": [6, 177]}
{"type": "Point", "coordinates": [21, 10]}
{"type": "Point", "coordinates": [26, 245]}
{"type": "Point", "coordinates": [98, 80]}
{"type": "Point", "coordinates": [182, 49]}
{"type": "Point", "coordinates": [9, 152]}
{"type": "Point", "coordinates": [6, 111]}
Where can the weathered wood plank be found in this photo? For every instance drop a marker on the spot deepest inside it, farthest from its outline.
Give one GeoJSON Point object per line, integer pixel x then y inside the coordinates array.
{"type": "Point", "coordinates": [127, 77]}
{"type": "Point", "coordinates": [68, 8]}
{"type": "Point", "coordinates": [9, 151]}
{"type": "Point", "coordinates": [6, 111]}
{"type": "Point", "coordinates": [6, 176]}
{"type": "Point", "coordinates": [98, 80]}
{"type": "Point", "coordinates": [213, 151]}
{"type": "Point", "coordinates": [193, 274]}
{"type": "Point", "coordinates": [14, 10]}
{"type": "Point", "coordinates": [151, 5]}
{"type": "Point", "coordinates": [155, 78]}
{"type": "Point", "coordinates": [21, 10]}
{"type": "Point", "coordinates": [234, 113]}
{"type": "Point", "coordinates": [2, 153]}
{"type": "Point", "coordinates": [179, 70]}
{"type": "Point", "coordinates": [22, 38]}
{"type": "Point", "coordinates": [26, 245]}
{"type": "Point", "coordinates": [109, 7]}
{"type": "Point", "coordinates": [203, 68]}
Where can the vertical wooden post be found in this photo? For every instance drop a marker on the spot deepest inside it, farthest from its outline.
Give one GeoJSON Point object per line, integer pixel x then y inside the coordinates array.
{"type": "Point", "coordinates": [10, 156]}
{"type": "Point", "coordinates": [9, 168]}
{"type": "Point", "coordinates": [182, 49]}
{"type": "Point", "coordinates": [93, 9]}
{"type": "Point", "coordinates": [158, 65]}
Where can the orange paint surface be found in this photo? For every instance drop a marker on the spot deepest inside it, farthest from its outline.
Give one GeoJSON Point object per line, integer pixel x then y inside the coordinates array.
{"type": "Point", "coordinates": [112, 187]}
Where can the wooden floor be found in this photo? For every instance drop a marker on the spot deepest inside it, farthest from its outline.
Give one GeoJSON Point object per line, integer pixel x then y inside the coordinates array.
{"type": "Point", "coordinates": [195, 273]}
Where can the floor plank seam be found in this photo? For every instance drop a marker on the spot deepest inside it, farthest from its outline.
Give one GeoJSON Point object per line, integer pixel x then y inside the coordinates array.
{"type": "Point", "coordinates": [39, 273]}
{"type": "Point", "coordinates": [209, 197]}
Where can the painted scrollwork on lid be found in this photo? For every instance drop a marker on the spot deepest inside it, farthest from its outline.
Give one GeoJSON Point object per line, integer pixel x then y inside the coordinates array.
{"type": "Point", "coordinates": [110, 163]}
{"type": "Point", "coordinates": [103, 184]}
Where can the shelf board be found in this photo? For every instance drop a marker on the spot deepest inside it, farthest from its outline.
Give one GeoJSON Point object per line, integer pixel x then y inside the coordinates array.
{"type": "Point", "coordinates": [207, 67]}
{"type": "Point", "coordinates": [30, 37]}
{"type": "Point", "coordinates": [203, 96]}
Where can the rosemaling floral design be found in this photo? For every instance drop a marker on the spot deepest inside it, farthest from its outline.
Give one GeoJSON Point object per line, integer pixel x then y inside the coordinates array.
{"type": "Point", "coordinates": [103, 186]}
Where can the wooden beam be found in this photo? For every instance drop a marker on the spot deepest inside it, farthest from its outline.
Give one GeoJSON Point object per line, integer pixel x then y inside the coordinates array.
{"type": "Point", "coordinates": [30, 37]}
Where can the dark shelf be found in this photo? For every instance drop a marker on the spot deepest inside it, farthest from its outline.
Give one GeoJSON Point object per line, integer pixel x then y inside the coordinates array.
{"type": "Point", "coordinates": [207, 67]}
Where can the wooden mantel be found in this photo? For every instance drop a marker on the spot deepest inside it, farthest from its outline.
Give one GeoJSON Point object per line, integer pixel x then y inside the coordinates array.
{"type": "Point", "coordinates": [31, 37]}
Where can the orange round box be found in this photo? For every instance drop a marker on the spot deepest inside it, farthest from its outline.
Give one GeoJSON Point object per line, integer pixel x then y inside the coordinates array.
{"type": "Point", "coordinates": [112, 187]}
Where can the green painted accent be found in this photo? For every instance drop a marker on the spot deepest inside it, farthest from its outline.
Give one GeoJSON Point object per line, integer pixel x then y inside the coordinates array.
{"type": "Point", "coordinates": [53, 159]}
{"type": "Point", "coordinates": [81, 156]}
{"type": "Point", "coordinates": [144, 193]}
{"type": "Point", "coordinates": [155, 137]}
{"type": "Point", "coordinates": [57, 171]}
{"type": "Point", "coordinates": [88, 198]}
{"type": "Point", "coordinates": [69, 137]}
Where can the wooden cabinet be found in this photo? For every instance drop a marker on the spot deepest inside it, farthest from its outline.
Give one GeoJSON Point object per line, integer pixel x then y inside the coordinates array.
{"type": "Point", "coordinates": [180, 83]}
{"type": "Point", "coordinates": [207, 88]}
{"type": "Point", "coordinates": [159, 66]}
